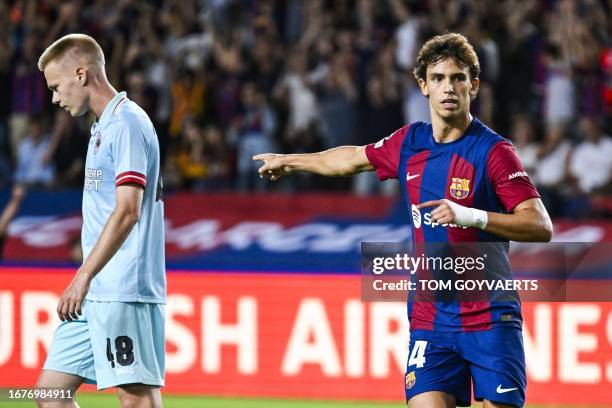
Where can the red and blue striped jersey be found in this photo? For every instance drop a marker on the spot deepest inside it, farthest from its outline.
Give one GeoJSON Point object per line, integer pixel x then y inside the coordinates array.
{"type": "Point", "coordinates": [479, 170]}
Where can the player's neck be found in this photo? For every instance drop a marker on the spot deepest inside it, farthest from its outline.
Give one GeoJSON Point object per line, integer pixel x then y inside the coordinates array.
{"type": "Point", "coordinates": [102, 94]}
{"type": "Point", "coordinates": [446, 131]}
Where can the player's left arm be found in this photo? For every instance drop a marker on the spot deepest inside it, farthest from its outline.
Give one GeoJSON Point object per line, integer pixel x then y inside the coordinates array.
{"type": "Point", "coordinates": [128, 198]}
{"type": "Point", "coordinates": [529, 222]}
{"type": "Point", "coordinates": [526, 220]}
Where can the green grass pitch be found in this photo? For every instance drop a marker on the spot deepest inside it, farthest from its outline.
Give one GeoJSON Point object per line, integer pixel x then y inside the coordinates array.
{"type": "Point", "coordinates": [91, 400]}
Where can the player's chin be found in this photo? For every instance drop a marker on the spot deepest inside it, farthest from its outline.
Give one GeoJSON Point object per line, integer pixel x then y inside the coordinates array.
{"type": "Point", "coordinates": [450, 113]}
{"type": "Point", "coordinates": [75, 113]}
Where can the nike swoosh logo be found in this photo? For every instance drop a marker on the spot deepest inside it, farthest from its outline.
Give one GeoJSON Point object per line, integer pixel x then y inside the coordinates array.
{"type": "Point", "coordinates": [409, 177]}
{"type": "Point", "coordinates": [501, 390]}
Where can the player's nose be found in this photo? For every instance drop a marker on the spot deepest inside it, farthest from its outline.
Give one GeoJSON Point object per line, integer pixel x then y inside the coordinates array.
{"type": "Point", "coordinates": [448, 87]}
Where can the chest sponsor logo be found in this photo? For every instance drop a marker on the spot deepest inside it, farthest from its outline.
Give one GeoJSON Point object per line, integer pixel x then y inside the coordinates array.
{"type": "Point", "coordinates": [93, 177]}
{"type": "Point", "coordinates": [419, 219]}
{"type": "Point", "coordinates": [416, 216]}
{"type": "Point", "coordinates": [460, 187]}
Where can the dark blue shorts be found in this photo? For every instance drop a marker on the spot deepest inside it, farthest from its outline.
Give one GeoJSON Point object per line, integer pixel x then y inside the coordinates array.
{"type": "Point", "coordinates": [493, 360]}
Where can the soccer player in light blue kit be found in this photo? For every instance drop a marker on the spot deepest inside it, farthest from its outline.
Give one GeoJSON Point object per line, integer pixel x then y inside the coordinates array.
{"type": "Point", "coordinates": [112, 330]}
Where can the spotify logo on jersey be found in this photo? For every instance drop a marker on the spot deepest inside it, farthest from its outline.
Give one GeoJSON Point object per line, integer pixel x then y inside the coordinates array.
{"type": "Point", "coordinates": [416, 216]}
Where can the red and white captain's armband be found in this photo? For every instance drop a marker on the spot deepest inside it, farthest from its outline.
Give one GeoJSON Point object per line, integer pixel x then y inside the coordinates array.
{"type": "Point", "coordinates": [131, 177]}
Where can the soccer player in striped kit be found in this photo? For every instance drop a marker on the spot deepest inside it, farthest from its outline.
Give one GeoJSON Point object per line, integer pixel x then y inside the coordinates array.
{"type": "Point", "coordinates": [461, 182]}
{"type": "Point", "coordinates": [112, 330]}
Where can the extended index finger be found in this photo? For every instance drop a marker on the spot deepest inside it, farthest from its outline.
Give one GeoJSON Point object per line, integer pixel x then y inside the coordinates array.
{"type": "Point", "coordinates": [261, 156]}
{"type": "Point", "coordinates": [430, 203]}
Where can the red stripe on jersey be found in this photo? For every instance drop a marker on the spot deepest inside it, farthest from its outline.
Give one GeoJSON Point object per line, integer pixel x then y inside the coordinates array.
{"type": "Point", "coordinates": [415, 170]}
{"type": "Point", "coordinates": [131, 177]}
{"type": "Point", "coordinates": [423, 311]}
{"type": "Point", "coordinates": [474, 315]}
{"type": "Point", "coordinates": [119, 103]}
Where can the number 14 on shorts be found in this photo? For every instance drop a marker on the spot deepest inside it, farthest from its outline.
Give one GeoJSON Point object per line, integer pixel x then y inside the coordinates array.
{"type": "Point", "coordinates": [124, 351]}
{"type": "Point", "coordinates": [417, 354]}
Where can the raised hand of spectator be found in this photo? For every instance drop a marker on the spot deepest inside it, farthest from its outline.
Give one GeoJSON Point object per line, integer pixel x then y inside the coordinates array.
{"type": "Point", "coordinates": [10, 210]}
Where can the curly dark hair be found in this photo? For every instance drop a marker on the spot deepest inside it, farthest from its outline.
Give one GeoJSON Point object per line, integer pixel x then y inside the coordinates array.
{"type": "Point", "coordinates": [441, 47]}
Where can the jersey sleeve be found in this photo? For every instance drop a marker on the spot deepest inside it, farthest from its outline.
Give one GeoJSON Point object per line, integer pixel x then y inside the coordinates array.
{"type": "Point", "coordinates": [130, 155]}
{"type": "Point", "coordinates": [510, 180]}
{"type": "Point", "coordinates": [384, 155]}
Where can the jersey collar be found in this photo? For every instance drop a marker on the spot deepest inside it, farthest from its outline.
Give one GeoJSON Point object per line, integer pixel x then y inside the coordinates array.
{"type": "Point", "coordinates": [110, 108]}
{"type": "Point", "coordinates": [474, 124]}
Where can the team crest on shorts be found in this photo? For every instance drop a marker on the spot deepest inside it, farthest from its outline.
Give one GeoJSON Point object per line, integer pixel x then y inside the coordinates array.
{"type": "Point", "coordinates": [410, 380]}
{"type": "Point", "coordinates": [460, 187]}
{"type": "Point", "coordinates": [98, 142]}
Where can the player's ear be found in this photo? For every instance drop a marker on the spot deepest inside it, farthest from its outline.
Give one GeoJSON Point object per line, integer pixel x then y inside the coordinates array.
{"type": "Point", "coordinates": [423, 86]}
{"type": "Point", "coordinates": [474, 90]}
{"type": "Point", "coordinates": [81, 74]}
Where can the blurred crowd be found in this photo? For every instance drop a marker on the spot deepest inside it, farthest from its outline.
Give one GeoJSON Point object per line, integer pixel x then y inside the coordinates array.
{"type": "Point", "coordinates": [223, 80]}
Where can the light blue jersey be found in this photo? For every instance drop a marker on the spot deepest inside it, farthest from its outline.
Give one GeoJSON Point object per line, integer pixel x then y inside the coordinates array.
{"type": "Point", "coordinates": [124, 149]}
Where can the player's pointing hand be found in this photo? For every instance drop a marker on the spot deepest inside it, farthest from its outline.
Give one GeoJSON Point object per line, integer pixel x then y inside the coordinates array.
{"type": "Point", "coordinates": [448, 212]}
{"type": "Point", "coordinates": [442, 214]}
{"type": "Point", "coordinates": [274, 166]}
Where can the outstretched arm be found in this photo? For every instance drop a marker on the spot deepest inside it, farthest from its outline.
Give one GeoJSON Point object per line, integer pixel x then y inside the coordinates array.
{"type": "Point", "coordinates": [337, 162]}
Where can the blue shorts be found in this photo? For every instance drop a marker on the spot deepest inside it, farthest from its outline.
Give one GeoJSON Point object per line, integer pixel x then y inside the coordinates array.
{"type": "Point", "coordinates": [494, 360]}
{"type": "Point", "coordinates": [112, 343]}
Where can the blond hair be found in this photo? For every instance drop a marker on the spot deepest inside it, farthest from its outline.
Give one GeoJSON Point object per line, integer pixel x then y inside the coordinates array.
{"type": "Point", "coordinates": [81, 46]}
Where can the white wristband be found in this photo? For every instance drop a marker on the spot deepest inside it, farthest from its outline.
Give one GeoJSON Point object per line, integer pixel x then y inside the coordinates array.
{"type": "Point", "coordinates": [468, 217]}
{"type": "Point", "coordinates": [480, 218]}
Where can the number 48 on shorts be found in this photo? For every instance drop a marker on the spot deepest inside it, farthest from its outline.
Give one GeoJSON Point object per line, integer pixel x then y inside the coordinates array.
{"type": "Point", "coordinates": [111, 344]}
{"type": "Point", "coordinates": [124, 347]}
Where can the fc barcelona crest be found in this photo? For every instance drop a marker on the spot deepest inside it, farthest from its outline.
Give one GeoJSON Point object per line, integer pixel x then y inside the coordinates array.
{"type": "Point", "coordinates": [460, 188]}
{"type": "Point", "coordinates": [410, 380]}
{"type": "Point", "coordinates": [98, 142]}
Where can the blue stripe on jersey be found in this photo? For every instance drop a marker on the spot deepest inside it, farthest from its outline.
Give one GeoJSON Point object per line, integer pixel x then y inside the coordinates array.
{"type": "Point", "coordinates": [436, 169]}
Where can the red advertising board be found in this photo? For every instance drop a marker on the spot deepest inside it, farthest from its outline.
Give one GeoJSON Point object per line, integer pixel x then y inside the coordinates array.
{"type": "Point", "coordinates": [303, 336]}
